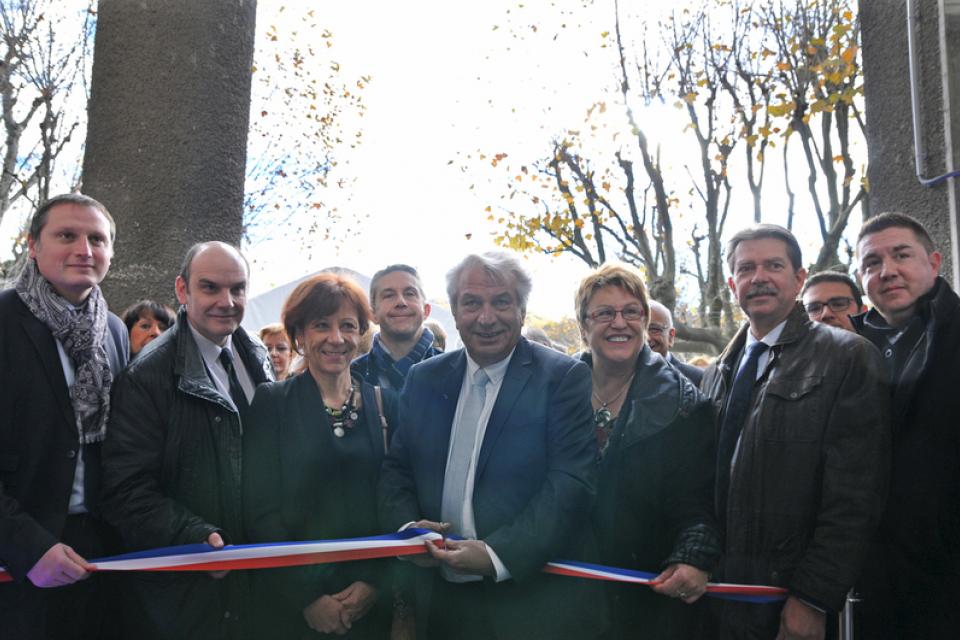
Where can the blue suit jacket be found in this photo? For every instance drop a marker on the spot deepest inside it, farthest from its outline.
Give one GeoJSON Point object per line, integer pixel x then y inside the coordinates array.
{"type": "Point", "coordinates": [533, 490]}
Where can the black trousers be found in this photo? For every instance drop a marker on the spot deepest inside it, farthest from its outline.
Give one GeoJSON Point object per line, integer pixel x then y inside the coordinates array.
{"type": "Point", "coordinates": [458, 611]}
{"type": "Point", "coordinates": [75, 612]}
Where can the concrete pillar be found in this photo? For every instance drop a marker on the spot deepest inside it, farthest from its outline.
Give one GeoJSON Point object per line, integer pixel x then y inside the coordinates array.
{"type": "Point", "coordinates": [167, 134]}
{"type": "Point", "coordinates": [892, 174]}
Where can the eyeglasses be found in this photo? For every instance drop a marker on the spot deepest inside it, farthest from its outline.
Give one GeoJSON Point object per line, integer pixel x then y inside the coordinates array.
{"type": "Point", "coordinates": [605, 315]}
{"type": "Point", "coordinates": [838, 304]}
{"type": "Point", "coordinates": [656, 329]}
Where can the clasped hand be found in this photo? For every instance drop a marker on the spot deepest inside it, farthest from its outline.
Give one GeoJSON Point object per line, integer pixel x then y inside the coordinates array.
{"type": "Point", "coordinates": [336, 613]}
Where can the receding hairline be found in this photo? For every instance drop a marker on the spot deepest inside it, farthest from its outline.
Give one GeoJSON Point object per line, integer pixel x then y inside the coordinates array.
{"type": "Point", "coordinates": [202, 247]}
{"type": "Point", "coordinates": [659, 306]}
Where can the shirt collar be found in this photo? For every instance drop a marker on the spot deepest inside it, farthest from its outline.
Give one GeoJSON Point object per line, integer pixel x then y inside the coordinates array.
{"type": "Point", "coordinates": [209, 349]}
{"type": "Point", "coordinates": [770, 339]}
{"type": "Point", "coordinates": [495, 371]}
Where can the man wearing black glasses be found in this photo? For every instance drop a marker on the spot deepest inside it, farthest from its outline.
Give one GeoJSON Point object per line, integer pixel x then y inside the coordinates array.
{"type": "Point", "coordinates": [831, 297]}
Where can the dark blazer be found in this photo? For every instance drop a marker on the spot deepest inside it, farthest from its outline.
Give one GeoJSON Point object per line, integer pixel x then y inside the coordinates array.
{"type": "Point", "coordinates": [692, 373]}
{"type": "Point", "coordinates": [39, 444]}
{"type": "Point", "coordinates": [533, 491]}
{"type": "Point", "coordinates": [302, 483]}
{"type": "Point", "coordinates": [38, 435]}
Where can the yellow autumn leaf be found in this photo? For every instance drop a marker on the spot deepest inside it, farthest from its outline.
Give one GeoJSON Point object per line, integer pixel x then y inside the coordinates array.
{"type": "Point", "coordinates": [849, 54]}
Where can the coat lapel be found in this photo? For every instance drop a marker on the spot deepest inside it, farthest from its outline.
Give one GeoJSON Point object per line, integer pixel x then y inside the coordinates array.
{"type": "Point", "coordinates": [514, 382]}
{"type": "Point", "coordinates": [49, 357]}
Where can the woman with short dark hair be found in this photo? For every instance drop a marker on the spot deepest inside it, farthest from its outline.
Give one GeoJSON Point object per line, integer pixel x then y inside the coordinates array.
{"type": "Point", "coordinates": [312, 449]}
{"type": "Point", "coordinates": [145, 320]}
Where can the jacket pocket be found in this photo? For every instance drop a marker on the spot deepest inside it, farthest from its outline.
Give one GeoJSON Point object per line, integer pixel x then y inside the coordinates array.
{"type": "Point", "coordinates": [794, 409]}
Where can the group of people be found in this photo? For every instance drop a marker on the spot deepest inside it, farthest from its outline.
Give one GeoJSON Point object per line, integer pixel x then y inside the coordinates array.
{"type": "Point", "coordinates": [818, 453]}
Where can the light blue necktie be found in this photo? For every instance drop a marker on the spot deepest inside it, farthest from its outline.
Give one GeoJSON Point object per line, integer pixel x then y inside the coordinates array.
{"type": "Point", "coordinates": [462, 442]}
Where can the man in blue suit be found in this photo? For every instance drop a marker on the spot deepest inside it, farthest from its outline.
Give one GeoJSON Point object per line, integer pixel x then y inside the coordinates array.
{"type": "Point", "coordinates": [495, 445]}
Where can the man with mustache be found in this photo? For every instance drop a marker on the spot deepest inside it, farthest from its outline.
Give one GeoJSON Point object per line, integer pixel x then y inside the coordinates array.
{"type": "Point", "coordinates": [172, 464]}
{"type": "Point", "coordinates": [911, 584]}
{"type": "Point", "coordinates": [802, 447]}
{"type": "Point", "coordinates": [399, 308]}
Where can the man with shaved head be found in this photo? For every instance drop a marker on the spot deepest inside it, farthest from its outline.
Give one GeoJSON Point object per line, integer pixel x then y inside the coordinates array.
{"type": "Point", "coordinates": [660, 336]}
{"type": "Point", "coordinates": [172, 464]}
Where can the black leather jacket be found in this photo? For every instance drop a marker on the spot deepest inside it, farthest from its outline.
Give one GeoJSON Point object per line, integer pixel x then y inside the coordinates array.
{"type": "Point", "coordinates": [655, 495]}
{"type": "Point", "coordinates": [921, 525]}
{"type": "Point", "coordinates": [810, 479]}
{"type": "Point", "coordinates": [172, 475]}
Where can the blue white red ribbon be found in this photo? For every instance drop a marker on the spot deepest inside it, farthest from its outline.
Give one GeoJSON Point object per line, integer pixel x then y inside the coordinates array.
{"type": "Point", "coordinates": [201, 557]}
{"type": "Point", "coordinates": [725, 590]}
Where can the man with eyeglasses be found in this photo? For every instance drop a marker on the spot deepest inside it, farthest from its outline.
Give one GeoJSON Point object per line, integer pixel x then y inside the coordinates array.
{"type": "Point", "coordinates": [831, 297]}
{"type": "Point", "coordinates": [660, 337]}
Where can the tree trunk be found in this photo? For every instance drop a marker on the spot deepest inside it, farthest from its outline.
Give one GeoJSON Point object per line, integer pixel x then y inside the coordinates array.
{"type": "Point", "coordinates": [167, 135]}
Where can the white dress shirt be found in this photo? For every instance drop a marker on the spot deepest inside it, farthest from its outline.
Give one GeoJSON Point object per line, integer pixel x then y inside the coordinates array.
{"type": "Point", "coordinates": [496, 373]}
{"type": "Point", "coordinates": [210, 352]}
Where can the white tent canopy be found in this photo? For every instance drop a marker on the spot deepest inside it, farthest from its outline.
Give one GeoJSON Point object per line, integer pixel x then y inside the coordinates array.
{"type": "Point", "coordinates": [265, 308]}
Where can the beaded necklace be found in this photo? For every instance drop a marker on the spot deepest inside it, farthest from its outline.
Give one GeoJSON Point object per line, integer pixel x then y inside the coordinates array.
{"type": "Point", "coordinates": [346, 416]}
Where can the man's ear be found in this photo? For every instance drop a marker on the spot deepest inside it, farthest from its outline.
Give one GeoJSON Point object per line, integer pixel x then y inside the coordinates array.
{"type": "Point", "coordinates": [935, 260]}
{"type": "Point", "coordinates": [180, 285]}
{"type": "Point", "coordinates": [426, 310]}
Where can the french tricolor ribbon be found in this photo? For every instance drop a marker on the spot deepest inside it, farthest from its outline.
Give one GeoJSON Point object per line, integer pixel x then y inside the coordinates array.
{"type": "Point", "coordinates": [724, 590]}
{"type": "Point", "coordinates": [201, 557]}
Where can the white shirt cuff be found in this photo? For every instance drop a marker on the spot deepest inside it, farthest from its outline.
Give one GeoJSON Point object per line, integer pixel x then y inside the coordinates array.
{"type": "Point", "coordinates": [499, 567]}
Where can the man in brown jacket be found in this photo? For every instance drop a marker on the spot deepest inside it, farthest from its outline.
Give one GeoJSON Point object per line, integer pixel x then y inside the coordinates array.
{"type": "Point", "coordinates": [802, 448]}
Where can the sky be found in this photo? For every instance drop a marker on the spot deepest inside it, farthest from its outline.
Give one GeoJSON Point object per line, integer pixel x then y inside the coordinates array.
{"type": "Point", "coordinates": [448, 79]}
